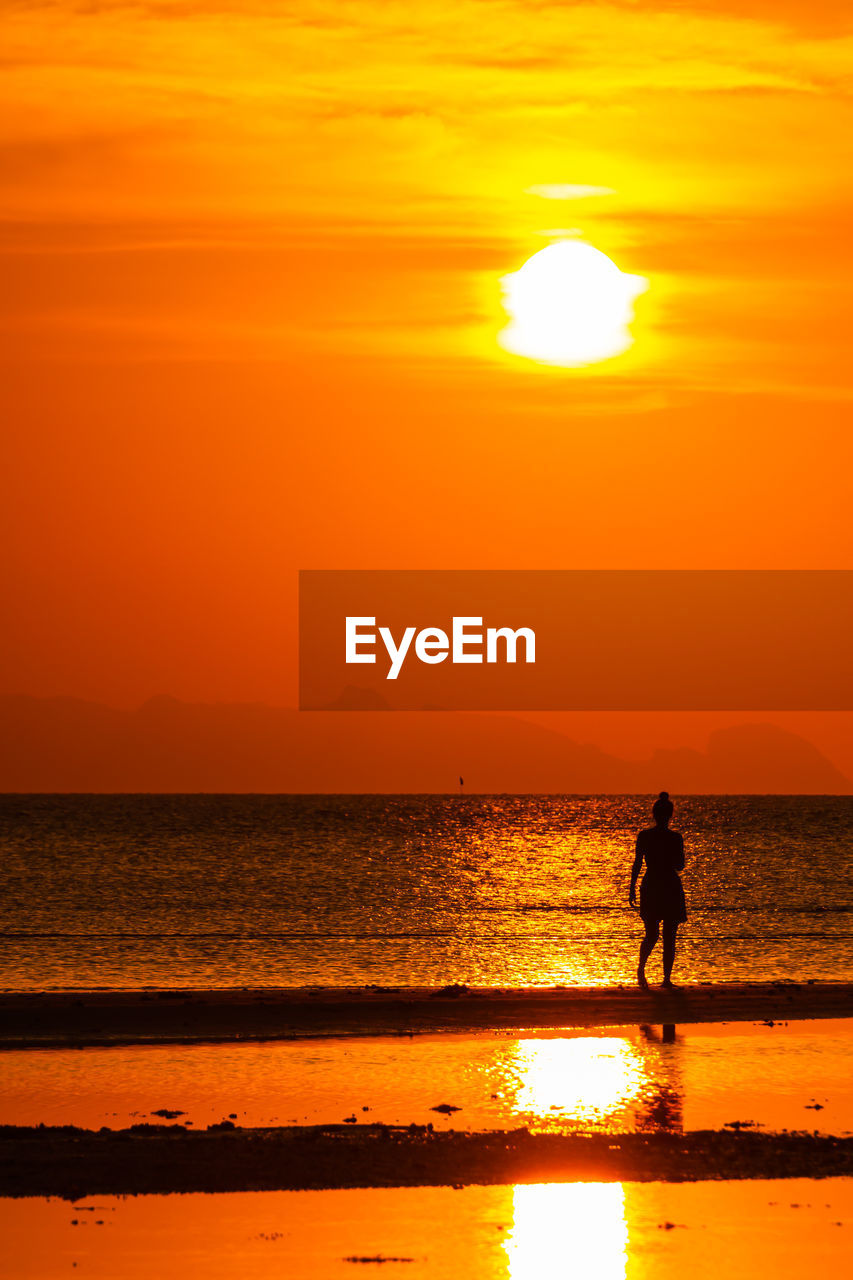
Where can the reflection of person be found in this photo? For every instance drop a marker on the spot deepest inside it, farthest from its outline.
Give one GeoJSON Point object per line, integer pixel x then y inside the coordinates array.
{"type": "Point", "coordinates": [661, 894]}
{"type": "Point", "coordinates": [662, 1107]}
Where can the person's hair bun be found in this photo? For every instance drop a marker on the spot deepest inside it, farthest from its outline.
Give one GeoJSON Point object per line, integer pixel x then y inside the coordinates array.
{"type": "Point", "coordinates": [662, 806]}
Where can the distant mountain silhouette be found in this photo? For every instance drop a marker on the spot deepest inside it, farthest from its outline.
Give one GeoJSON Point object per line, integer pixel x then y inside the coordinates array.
{"type": "Point", "coordinates": [770, 758]}
{"type": "Point", "coordinates": [354, 698]}
{"type": "Point", "coordinates": [63, 744]}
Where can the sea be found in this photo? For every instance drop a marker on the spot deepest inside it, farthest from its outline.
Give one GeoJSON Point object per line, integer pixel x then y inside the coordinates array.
{"type": "Point", "coordinates": [222, 891]}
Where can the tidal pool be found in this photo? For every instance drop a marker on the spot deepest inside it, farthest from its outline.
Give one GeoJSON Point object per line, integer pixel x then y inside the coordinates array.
{"type": "Point", "coordinates": [796, 1076]}
{"type": "Point", "coordinates": [593, 1231]}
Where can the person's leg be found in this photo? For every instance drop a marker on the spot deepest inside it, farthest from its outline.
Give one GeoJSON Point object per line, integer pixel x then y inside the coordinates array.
{"type": "Point", "coordinates": [670, 928]}
{"type": "Point", "coordinates": [646, 948]}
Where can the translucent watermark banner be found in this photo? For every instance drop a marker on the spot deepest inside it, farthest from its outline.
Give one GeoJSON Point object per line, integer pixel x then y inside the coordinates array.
{"type": "Point", "coordinates": [572, 640]}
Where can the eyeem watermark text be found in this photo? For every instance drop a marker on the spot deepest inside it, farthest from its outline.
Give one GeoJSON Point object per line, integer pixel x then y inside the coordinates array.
{"type": "Point", "coordinates": [466, 643]}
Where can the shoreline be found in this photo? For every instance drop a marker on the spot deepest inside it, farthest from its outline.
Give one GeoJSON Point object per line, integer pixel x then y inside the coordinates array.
{"type": "Point", "coordinates": [152, 1159]}
{"type": "Point", "coordinates": [85, 1019]}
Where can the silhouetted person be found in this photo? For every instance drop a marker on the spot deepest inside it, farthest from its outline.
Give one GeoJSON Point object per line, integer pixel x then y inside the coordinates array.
{"type": "Point", "coordinates": [661, 893]}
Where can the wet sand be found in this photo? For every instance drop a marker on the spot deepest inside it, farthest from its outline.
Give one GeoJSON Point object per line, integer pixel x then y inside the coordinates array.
{"type": "Point", "coordinates": [150, 1158]}
{"type": "Point", "coordinates": [145, 1159]}
{"type": "Point", "coordinates": [84, 1018]}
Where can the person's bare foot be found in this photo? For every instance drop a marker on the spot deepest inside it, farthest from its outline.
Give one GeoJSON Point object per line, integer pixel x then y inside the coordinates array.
{"type": "Point", "coordinates": [642, 981]}
{"type": "Point", "coordinates": [669, 985]}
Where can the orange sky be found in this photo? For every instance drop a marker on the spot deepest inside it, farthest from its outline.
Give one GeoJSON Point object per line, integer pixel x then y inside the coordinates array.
{"type": "Point", "coordinates": [251, 256]}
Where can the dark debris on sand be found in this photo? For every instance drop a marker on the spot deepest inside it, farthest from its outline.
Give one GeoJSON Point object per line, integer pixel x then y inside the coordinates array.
{"type": "Point", "coordinates": [376, 1257]}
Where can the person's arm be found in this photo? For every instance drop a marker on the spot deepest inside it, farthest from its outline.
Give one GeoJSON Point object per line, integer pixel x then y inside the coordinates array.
{"type": "Point", "coordinates": [635, 873]}
{"type": "Point", "coordinates": [679, 854]}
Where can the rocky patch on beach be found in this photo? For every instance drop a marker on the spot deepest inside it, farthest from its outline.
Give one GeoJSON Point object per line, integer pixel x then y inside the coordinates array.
{"type": "Point", "coordinates": [71, 1162]}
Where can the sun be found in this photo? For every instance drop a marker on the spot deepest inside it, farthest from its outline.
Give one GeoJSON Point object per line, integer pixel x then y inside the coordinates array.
{"type": "Point", "coordinates": [569, 305]}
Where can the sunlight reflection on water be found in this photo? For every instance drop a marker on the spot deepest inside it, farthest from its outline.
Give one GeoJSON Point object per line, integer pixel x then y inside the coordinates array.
{"type": "Point", "coordinates": [228, 891]}
{"type": "Point", "coordinates": [574, 1228]}
{"type": "Point", "coordinates": [583, 1080]}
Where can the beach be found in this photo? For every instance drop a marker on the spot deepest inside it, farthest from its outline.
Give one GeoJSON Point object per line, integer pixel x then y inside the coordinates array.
{"type": "Point", "coordinates": [593, 1084]}
{"type": "Point", "coordinates": [669, 1145]}
{"type": "Point", "coordinates": [154, 1017]}
{"type": "Point", "coordinates": [156, 1159]}
{"type": "Point", "coordinates": [303, 1031]}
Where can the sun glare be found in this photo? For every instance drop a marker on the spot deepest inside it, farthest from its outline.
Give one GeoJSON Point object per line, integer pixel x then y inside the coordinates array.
{"type": "Point", "coordinates": [582, 1079]}
{"type": "Point", "coordinates": [569, 305]}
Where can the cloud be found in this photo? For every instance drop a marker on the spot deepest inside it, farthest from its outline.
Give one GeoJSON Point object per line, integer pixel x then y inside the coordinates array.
{"type": "Point", "coordinates": [371, 138]}
{"type": "Point", "coordinates": [264, 106]}
{"type": "Point", "coordinates": [568, 191]}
